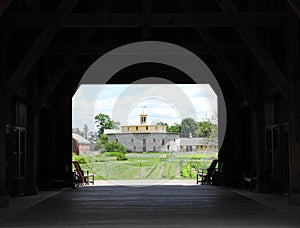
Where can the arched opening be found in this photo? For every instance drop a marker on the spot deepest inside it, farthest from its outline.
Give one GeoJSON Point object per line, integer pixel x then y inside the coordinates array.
{"type": "Point", "coordinates": [155, 64]}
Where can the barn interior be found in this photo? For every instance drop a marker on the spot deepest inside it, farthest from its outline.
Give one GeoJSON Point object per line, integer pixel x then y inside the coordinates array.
{"type": "Point", "coordinates": [251, 47]}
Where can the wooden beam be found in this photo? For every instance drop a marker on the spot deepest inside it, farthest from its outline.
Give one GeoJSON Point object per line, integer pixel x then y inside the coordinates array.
{"type": "Point", "coordinates": [34, 53]}
{"type": "Point", "coordinates": [65, 98]}
{"type": "Point", "coordinates": [4, 4]}
{"type": "Point", "coordinates": [295, 6]}
{"type": "Point", "coordinates": [147, 11]}
{"type": "Point", "coordinates": [258, 51]}
{"type": "Point", "coordinates": [66, 63]}
{"type": "Point", "coordinates": [98, 20]}
{"type": "Point", "coordinates": [235, 76]}
{"type": "Point", "coordinates": [293, 71]}
{"type": "Point", "coordinates": [102, 48]}
{"type": "Point", "coordinates": [59, 73]}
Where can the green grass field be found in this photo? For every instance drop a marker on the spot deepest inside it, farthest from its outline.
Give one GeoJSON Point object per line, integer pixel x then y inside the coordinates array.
{"type": "Point", "coordinates": [152, 166]}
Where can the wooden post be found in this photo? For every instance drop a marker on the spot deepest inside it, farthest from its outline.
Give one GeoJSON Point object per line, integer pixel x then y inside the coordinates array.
{"type": "Point", "coordinates": [258, 142]}
{"type": "Point", "coordinates": [31, 162]}
{"type": "Point", "coordinates": [3, 198]}
{"type": "Point", "coordinates": [292, 58]}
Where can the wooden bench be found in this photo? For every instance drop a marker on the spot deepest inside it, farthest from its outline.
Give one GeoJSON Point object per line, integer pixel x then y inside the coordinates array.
{"type": "Point", "coordinates": [249, 179]}
{"type": "Point", "coordinates": [205, 175]}
{"type": "Point", "coordinates": [81, 177]}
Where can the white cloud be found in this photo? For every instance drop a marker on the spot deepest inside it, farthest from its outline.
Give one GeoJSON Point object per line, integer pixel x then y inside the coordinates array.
{"type": "Point", "coordinates": [165, 102]}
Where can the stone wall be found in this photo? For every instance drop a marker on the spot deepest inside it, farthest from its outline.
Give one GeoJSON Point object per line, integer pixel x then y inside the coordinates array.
{"type": "Point", "coordinates": [143, 141]}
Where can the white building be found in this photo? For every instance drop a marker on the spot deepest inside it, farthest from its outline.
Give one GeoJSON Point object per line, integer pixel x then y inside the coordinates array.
{"type": "Point", "coordinates": [142, 137]}
{"type": "Point", "coordinates": [191, 144]}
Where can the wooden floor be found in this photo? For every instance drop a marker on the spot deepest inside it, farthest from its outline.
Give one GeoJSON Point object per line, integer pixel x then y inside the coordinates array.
{"type": "Point", "coordinates": [149, 206]}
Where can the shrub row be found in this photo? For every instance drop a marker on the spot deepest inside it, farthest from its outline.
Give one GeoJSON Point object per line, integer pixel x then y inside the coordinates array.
{"type": "Point", "coordinates": [120, 156]}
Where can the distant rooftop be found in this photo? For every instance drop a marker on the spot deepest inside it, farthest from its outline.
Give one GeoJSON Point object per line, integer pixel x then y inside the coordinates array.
{"type": "Point", "coordinates": [194, 141]}
{"type": "Point", "coordinates": [79, 139]}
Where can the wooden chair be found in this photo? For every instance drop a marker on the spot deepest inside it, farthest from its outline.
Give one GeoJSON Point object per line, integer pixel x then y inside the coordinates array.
{"type": "Point", "coordinates": [251, 179]}
{"type": "Point", "coordinates": [205, 175]}
{"type": "Point", "coordinates": [83, 178]}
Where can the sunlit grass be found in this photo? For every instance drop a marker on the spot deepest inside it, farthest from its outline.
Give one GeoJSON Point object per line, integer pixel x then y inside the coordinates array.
{"type": "Point", "coordinates": [154, 166]}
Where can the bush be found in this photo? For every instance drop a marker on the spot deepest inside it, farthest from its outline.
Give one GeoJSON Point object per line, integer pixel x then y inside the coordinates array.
{"type": "Point", "coordinates": [120, 156]}
{"type": "Point", "coordinates": [100, 143]}
{"type": "Point", "coordinates": [80, 159]}
{"type": "Point", "coordinates": [186, 170]}
{"type": "Point", "coordinates": [115, 146]}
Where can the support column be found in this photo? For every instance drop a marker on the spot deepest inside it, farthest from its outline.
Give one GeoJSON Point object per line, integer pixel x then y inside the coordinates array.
{"type": "Point", "coordinates": [258, 117]}
{"type": "Point", "coordinates": [292, 47]}
{"type": "Point", "coordinates": [64, 143]}
{"type": "Point", "coordinates": [295, 145]}
{"type": "Point", "coordinates": [32, 134]}
{"type": "Point", "coordinates": [3, 195]}
{"type": "Point", "coordinates": [259, 142]}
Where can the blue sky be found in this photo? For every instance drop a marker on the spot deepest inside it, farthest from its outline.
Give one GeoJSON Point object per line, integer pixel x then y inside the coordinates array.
{"type": "Point", "coordinates": [168, 103]}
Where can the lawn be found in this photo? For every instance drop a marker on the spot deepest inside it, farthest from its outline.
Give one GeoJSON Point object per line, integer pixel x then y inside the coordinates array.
{"type": "Point", "coordinates": [152, 166]}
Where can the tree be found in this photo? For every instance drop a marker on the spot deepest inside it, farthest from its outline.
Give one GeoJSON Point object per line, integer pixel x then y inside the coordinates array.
{"type": "Point", "coordinates": [103, 121]}
{"type": "Point", "coordinates": [205, 129]}
{"type": "Point", "coordinates": [78, 131]}
{"type": "Point", "coordinates": [208, 129]}
{"type": "Point", "coordinates": [100, 142]}
{"type": "Point", "coordinates": [115, 147]}
{"type": "Point", "coordinates": [92, 136]}
{"type": "Point", "coordinates": [103, 145]}
{"type": "Point", "coordinates": [188, 126]}
{"type": "Point", "coordinates": [86, 130]}
{"type": "Point", "coordinates": [176, 128]}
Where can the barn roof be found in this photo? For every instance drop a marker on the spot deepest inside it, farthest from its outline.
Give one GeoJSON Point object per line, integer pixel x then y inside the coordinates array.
{"type": "Point", "coordinates": [193, 141]}
{"type": "Point", "coordinates": [79, 139]}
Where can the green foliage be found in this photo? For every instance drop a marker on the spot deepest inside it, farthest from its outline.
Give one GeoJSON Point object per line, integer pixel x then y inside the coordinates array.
{"type": "Point", "coordinates": [176, 128]}
{"type": "Point", "coordinates": [206, 129]}
{"type": "Point", "coordinates": [98, 145]}
{"type": "Point", "coordinates": [79, 158]}
{"type": "Point", "coordinates": [120, 156]}
{"type": "Point", "coordinates": [186, 170]}
{"type": "Point", "coordinates": [144, 165]}
{"type": "Point", "coordinates": [100, 142]}
{"type": "Point", "coordinates": [115, 146]}
{"type": "Point", "coordinates": [103, 121]}
{"type": "Point", "coordinates": [103, 138]}
{"type": "Point", "coordinates": [188, 125]}
{"type": "Point", "coordinates": [103, 145]}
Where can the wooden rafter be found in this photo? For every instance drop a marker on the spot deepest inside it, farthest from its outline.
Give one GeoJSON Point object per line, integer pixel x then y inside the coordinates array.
{"type": "Point", "coordinates": [100, 20]}
{"type": "Point", "coordinates": [4, 4]}
{"type": "Point", "coordinates": [34, 53]}
{"type": "Point", "coordinates": [233, 73]}
{"type": "Point", "coordinates": [295, 6]}
{"type": "Point", "coordinates": [100, 49]}
{"type": "Point", "coordinates": [147, 11]}
{"type": "Point", "coordinates": [222, 58]}
{"type": "Point", "coordinates": [258, 51]}
{"type": "Point", "coordinates": [66, 63]}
